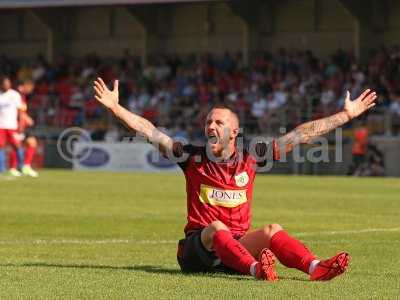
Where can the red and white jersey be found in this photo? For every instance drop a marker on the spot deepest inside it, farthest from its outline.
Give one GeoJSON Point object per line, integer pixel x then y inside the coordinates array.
{"type": "Point", "coordinates": [10, 103]}
{"type": "Point", "coordinates": [219, 190]}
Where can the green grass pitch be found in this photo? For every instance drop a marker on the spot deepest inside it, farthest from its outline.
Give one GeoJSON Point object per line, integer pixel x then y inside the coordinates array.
{"type": "Point", "coordinates": [113, 235]}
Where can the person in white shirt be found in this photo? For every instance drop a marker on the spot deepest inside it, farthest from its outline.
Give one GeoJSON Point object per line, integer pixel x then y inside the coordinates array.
{"type": "Point", "coordinates": [10, 105]}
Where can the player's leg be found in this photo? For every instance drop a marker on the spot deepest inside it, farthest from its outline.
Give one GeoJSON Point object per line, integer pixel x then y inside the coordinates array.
{"type": "Point", "coordinates": [2, 160]}
{"type": "Point", "coordinates": [292, 253]}
{"type": "Point", "coordinates": [2, 151]}
{"type": "Point", "coordinates": [289, 251]}
{"type": "Point", "coordinates": [258, 239]}
{"type": "Point", "coordinates": [12, 158]}
{"type": "Point", "coordinates": [13, 161]}
{"type": "Point", "coordinates": [14, 141]}
{"type": "Point", "coordinates": [30, 149]}
{"type": "Point", "coordinates": [217, 237]}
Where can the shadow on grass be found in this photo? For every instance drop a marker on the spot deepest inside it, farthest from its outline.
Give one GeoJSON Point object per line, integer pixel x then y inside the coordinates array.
{"type": "Point", "coordinates": [143, 268]}
{"type": "Point", "coordinates": [293, 278]}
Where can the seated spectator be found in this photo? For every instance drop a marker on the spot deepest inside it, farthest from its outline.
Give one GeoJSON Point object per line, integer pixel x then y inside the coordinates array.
{"type": "Point", "coordinates": [394, 110]}
{"type": "Point", "coordinates": [174, 89]}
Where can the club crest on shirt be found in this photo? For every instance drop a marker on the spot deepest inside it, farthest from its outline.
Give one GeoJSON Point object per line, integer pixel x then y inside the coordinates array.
{"type": "Point", "coordinates": [242, 179]}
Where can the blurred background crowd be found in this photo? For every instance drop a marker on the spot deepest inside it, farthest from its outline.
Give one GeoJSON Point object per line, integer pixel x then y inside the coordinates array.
{"type": "Point", "coordinates": [280, 89]}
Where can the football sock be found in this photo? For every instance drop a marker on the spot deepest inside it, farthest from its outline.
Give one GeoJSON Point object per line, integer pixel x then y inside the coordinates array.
{"type": "Point", "coordinates": [291, 252]}
{"type": "Point", "coordinates": [232, 253]}
{"type": "Point", "coordinates": [29, 154]}
{"type": "Point", "coordinates": [20, 156]}
{"type": "Point", "coordinates": [313, 265]}
{"type": "Point", "coordinates": [253, 268]}
{"type": "Point", "coordinates": [12, 159]}
{"type": "Point", "coordinates": [2, 160]}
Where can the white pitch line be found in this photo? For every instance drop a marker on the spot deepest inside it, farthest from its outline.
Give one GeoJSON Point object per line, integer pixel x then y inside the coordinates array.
{"type": "Point", "coordinates": [7, 178]}
{"type": "Point", "coordinates": [158, 242]}
{"type": "Point", "coordinates": [368, 230]}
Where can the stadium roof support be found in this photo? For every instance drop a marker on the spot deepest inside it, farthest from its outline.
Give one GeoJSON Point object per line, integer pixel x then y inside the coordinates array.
{"type": "Point", "coordinates": [56, 40]}
{"type": "Point", "coordinates": [249, 15]}
{"type": "Point", "coordinates": [146, 15]}
{"type": "Point", "coordinates": [371, 18]}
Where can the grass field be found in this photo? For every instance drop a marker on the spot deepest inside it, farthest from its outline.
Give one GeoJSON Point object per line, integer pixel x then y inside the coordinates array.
{"type": "Point", "coordinates": [113, 235]}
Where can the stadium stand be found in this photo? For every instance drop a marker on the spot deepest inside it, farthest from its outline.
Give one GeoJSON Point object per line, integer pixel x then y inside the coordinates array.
{"type": "Point", "coordinates": [279, 89]}
{"type": "Point", "coordinates": [274, 63]}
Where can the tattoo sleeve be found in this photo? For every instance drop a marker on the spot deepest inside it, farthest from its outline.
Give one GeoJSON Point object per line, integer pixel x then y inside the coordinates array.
{"type": "Point", "coordinates": [143, 126]}
{"type": "Point", "coordinates": [305, 133]}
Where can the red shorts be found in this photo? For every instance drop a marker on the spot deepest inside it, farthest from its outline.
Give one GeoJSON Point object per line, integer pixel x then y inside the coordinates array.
{"type": "Point", "coordinates": [8, 136]}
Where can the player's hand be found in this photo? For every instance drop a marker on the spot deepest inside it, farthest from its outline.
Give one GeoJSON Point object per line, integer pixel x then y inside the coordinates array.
{"type": "Point", "coordinates": [106, 97]}
{"type": "Point", "coordinates": [29, 121]}
{"type": "Point", "coordinates": [365, 101]}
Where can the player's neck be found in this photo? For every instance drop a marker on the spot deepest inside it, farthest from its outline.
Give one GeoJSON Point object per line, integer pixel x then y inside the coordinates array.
{"type": "Point", "coordinates": [227, 153]}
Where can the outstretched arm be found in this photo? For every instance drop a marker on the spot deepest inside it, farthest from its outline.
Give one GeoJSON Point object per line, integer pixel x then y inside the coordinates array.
{"type": "Point", "coordinates": [134, 122]}
{"type": "Point", "coordinates": [305, 133]}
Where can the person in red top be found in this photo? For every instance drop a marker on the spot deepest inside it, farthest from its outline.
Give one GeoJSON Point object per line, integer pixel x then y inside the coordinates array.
{"type": "Point", "coordinates": [219, 184]}
{"type": "Point", "coordinates": [359, 148]}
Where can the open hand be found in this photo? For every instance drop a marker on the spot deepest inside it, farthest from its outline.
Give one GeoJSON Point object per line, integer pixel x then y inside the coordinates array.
{"type": "Point", "coordinates": [106, 97]}
{"type": "Point", "coordinates": [356, 107]}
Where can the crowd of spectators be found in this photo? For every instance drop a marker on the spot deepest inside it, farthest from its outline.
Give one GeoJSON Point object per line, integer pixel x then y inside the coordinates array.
{"type": "Point", "coordinates": [276, 90]}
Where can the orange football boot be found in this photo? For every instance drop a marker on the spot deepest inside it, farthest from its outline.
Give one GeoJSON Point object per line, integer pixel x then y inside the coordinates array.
{"type": "Point", "coordinates": [266, 268]}
{"type": "Point", "coordinates": [331, 267]}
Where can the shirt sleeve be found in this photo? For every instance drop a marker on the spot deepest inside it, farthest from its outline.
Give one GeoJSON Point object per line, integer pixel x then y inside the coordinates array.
{"type": "Point", "coordinates": [184, 153]}
{"type": "Point", "coordinates": [18, 101]}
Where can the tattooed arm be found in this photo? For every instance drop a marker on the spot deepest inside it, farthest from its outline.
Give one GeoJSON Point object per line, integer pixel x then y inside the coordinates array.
{"type": "Point", "coordinates": [306, 132]}
{"type": "Point", "coordinates": [134, 122]}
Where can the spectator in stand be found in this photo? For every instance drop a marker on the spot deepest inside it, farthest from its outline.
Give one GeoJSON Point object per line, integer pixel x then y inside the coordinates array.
{"type": "Point", "coordinates": [172, 89]}
{"type": "Point", "coordinates": [395, 112]}
{"type": "Point", "coordinates": [359, 148]}
{"type": "Point", "coordinates": [258, 109]}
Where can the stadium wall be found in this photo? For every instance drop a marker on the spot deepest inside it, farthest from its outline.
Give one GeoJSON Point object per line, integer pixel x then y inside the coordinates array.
{"type": "Point", "coordinates": [392, 34]}
{"type": "Point", "coordinates": [302, 25]}
{"type": "Point", "coordinates": [108, 31]}
{"type": "Point", "coordinates": [320, 25]}
{"type": "Point", "coordinates": [21, 34]}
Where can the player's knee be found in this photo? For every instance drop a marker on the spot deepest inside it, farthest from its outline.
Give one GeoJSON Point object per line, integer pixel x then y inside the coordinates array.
{"type": "Point", "coordinates": [213, 227]}
{"type": "Point", "coordinates": [31, 141]}
{"type": "Point", "coordinates": [207, 235]}
{"type": "Point", "coordinates": [271, 229]}
{"type": "Point", "coordinates": [218, 225]}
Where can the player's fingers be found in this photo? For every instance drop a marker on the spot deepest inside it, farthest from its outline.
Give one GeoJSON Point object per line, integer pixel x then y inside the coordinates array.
{"type": "Point", "coordinates": [347, 99]}
{"type": "Point", "coordinates": [364, 94]}
{"type": "Point", "coordinates": [370, 98]}
{"type": "Point", "coordinates": [98, 86]}
{"type": "Point", "coordinates": [371, 105]}
{"type": "Point", "coordinates": [102, 82]}
{"type": "Point", "coordinates": [97, 98]}
{"type": "Point", "coordinates": [116, 84]}
{"type": "Point", "coordinates": [97, 90]}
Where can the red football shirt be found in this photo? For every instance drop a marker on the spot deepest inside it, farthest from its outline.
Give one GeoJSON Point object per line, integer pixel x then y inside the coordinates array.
{"type": "Point", "coordinates": [219, 190]}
